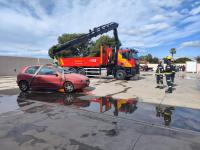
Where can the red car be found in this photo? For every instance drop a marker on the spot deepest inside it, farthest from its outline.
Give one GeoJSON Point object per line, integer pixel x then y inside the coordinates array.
{"type": "Point", "coordinates": [50, 78]}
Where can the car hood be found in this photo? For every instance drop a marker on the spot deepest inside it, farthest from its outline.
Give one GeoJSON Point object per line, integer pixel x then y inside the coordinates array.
{"type": "Point", "coordinates": [74, 76]}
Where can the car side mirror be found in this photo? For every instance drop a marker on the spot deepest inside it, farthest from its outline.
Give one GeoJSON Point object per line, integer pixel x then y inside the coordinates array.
{"type": "Point", "coordinates": [56, 74]}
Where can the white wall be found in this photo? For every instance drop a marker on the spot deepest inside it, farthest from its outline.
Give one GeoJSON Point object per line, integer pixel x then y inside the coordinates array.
{"type": "Point", "coordinates": [9, 64]}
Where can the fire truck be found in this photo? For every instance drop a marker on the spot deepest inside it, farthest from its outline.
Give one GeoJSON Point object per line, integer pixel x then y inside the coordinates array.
{"type": "Point", "coordinates": [121, 63]}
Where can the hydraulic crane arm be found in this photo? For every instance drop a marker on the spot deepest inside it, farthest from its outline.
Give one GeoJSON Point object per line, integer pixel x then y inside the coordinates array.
{"type": "Point", "coordinates": [86, 37]}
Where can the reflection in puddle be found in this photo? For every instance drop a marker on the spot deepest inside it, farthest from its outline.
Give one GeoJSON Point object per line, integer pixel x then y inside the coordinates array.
{"type": "Point", "coordinates": [105, 104]}
{"type": "Point", "coordinates": [180, 117]}
{"type": "Point", "coordinates": [165, 112]}
{"type": "Point", "coordinates": [8, 103]}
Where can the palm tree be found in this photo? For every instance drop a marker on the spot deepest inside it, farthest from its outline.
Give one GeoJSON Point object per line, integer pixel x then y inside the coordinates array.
{"type": "Point", "coordinates": [173, 51]}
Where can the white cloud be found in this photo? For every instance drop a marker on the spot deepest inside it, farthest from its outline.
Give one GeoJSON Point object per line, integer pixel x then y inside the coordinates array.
{"type": "Point", "coordinates": [158, 18]}
{"type": "Point", "coordinates": [195, 10]}
{"type": "Point", "coordinates": [190, 44]}
{"type": "Point", "coordinates": [147, 29]}
{"type": "Point", "coordinates": [166, 3]}
{"type": "Point", "coordinates": [142, 24]}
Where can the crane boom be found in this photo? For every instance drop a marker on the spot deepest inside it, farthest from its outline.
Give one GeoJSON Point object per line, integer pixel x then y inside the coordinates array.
{"type": "Point", "coordinates": [86, 37]}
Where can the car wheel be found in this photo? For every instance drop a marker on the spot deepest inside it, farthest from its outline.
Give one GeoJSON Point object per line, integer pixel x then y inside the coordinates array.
{"type": "Point", "coordinates": [24, 86]}
{"type": "Point", "coordinates": [81, 71]}
{"type": "Point", "coordinates": [120, 75]}
{"type": "Point", "coordinates": [68, 99]}
{"type": "Point", "coordinates": [68, 87]}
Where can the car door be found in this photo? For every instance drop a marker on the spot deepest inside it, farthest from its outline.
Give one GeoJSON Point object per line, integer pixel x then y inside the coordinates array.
{"type": "Point", "coordinates": [29, 74]}
{"type": "Point", "coordinates": [47, 78]}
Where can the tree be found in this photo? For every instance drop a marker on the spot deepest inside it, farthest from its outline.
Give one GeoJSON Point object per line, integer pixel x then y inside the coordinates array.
{"type": "Point", "coordinates": [149, 58]}
{"type": "Point", "coordinates": [172, 51]}
{"type": "Point", "coordinates": [155, 60]}
{"type": "Point", "coordinates": [78, 50]}
{"type": "Point", "coordinates": [198, 59]}
{"type": "Point", "coordinates": [101, 41]}
{"type": "Point", "coordinates": [86, 48]}
{"type": "Point", "coordinates": [182, 60]}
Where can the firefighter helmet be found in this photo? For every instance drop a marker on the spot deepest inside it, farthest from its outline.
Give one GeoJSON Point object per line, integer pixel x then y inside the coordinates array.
{"type": "Point", "coordinates": [169, 57]}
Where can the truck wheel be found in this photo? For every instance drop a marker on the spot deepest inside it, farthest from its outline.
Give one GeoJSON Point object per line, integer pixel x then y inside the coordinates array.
{"type": "Point", "coordinates": [24, 86]}
{"type": "Point", "coordinates": [73, 70]}
{"type": "Point", "coordinates": [68, 87]}
{"type": "Point", "coordinates": [81, 71]}
{"type": "Point", "coordinates": [120, 75]}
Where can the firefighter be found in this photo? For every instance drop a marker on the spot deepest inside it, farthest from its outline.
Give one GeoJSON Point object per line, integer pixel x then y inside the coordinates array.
{"type": "Point", "coordinates": [159, 75]}
{"type": "Point", "coordinates": [173, 71]}
{"type": "Point", "coordinates": [168, 74]}
{"type": "Point", "coordinates": [55, 61]}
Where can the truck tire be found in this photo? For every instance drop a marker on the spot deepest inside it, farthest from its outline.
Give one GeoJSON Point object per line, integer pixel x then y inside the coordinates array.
{"type": "Point", "coordinates": [73, 70]}
{"type": "Point", "coordinates": [120, 75]}
{"type": "Point", "coordinates": [81, 71]}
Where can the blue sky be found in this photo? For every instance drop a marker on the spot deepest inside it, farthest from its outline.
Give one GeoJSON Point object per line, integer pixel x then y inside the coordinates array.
{"type": "Point", "coordinates": [30, 27]}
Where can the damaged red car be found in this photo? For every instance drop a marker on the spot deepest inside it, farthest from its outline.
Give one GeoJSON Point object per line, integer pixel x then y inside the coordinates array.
{"type": "Point", "coordinates": [49, 77]}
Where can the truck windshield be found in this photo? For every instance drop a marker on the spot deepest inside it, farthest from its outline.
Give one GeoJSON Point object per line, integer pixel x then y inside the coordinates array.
{"type": "Point", "coordinates": [135, 56]}
{"type": "Point", "coordinates": [127, 55]}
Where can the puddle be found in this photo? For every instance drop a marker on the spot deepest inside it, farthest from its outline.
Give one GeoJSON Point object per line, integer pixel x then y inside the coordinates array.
{"type": "Point", "coordinates": [179, 117]}
{"type": "Point", "coordinates": [184, 118]}
{"type": "Point", "coordinates": [8, 103]}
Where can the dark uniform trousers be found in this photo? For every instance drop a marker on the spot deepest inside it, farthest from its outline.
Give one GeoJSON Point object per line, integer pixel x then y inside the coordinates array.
{"type": "Point", "coordinates": [173, 72]}
{"type": "Point", "coordinates": [173, 76]}
{"type": "Point", "coordinates": [159, 79]}
{"type": "Point", "coordinates": [159, 75]}
{"type": "Point", "coordinates": [168, 74]}
{"type": "Point", "coordinates": [169, 81]}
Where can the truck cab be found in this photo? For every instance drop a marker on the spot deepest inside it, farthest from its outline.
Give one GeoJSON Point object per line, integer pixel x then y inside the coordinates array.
{"type": "Point", "coordinates": [124, 64]}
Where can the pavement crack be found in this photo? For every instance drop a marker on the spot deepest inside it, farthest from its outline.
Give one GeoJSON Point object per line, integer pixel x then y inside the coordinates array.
{"type": "Point", "coordinates": [138, 138]}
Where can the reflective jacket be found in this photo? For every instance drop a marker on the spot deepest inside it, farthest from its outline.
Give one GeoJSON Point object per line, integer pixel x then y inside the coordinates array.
{"type": "Point", "coordinates": [159, 70]}
{"type": "Point", "coordinates": [173, 68]}
{"type": "Point", "coordinates": [168, 69]}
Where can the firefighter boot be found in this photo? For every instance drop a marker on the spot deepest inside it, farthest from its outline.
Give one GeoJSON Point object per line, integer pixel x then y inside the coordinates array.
{"type": "Point", "coordinates": [169, 90]}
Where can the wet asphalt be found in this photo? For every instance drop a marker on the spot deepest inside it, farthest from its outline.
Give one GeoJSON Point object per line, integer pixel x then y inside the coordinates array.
{"type": "Point", "coordinates": [51, 120]}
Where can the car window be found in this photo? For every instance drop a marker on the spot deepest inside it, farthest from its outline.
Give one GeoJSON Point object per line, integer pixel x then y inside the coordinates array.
{"type": "Point", "coordinates": [46, 71]}
{"type": "Point", "coordinates": [32, 70]}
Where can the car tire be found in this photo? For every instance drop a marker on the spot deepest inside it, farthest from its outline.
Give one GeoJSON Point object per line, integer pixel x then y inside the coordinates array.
{"type": "Point", "coordinates": [68, 87]}
{"type": "Point", "coordinates": [68, 100]}
{"type": "Point", "coordinates": [24, 86]}
{"type": "Point", "coordinates": [120, 75]}
{"type": "Point", "coordinates": [81, 71]}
